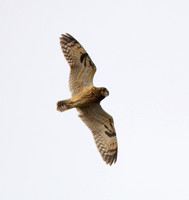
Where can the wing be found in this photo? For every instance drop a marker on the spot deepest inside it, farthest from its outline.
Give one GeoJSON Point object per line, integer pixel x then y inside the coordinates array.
{"type": "Point", "coordinates": [102, 126]}
{"type": "Point", "coordinates": [82, 69]}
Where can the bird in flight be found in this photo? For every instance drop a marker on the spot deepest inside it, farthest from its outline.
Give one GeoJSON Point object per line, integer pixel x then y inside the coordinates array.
{"type": "Point", "coordinates": [86, 98]}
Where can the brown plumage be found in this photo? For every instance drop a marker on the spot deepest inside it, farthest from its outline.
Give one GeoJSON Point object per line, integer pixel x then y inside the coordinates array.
{"type": "Point", "coordinates": [86, 98]}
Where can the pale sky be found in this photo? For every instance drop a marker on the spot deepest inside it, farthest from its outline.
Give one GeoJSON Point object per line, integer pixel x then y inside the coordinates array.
{"type": "Point", "coordinates": [141, 51]}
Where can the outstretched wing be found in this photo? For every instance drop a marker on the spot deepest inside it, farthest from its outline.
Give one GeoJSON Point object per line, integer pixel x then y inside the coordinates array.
{"type": "Point", "coordinates": [82, 69]}
{"type": "Point", "coordinates": [102, 126]}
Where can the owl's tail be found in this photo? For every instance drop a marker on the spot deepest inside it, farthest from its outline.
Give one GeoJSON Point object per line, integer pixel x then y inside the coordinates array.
{"type": "Point", "coordinates": [63, 105]}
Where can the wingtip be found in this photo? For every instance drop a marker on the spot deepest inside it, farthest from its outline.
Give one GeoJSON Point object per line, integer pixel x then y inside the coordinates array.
{"type": "Point", "coordinates": [110, 159]}
{"type": "Point", "coordinates": [66, 38]}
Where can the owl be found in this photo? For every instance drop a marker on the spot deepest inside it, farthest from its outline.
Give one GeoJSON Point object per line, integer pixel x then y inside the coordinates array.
{"type": "Point", "coordinates": [86, 98]}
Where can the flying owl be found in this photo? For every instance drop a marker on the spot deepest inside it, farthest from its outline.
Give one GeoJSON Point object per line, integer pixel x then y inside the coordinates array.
{"type": "Point", "coordinates": [86, 98]}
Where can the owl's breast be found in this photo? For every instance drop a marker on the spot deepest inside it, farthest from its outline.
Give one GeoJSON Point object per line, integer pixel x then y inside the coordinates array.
{"type": "Point", "coordinates": [88, 96]}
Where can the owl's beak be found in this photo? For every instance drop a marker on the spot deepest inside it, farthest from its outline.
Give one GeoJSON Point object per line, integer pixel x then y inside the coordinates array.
{"type": "Point", "coordinates": [106, 93]}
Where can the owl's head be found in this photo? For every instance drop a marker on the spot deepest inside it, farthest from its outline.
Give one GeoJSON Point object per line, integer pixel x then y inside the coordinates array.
{"type": "Point", "coordinates": [104, 92]}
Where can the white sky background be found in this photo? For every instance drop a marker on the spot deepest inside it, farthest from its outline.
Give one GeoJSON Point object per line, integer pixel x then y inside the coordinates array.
{"type": "Point", "coordinates": [141, 50]}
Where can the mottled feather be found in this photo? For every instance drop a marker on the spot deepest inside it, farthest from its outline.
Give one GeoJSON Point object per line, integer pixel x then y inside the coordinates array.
{"type": "Point", "coordinates": [101, 125]}
{"type": "Point", "coordinates": [82, 68]}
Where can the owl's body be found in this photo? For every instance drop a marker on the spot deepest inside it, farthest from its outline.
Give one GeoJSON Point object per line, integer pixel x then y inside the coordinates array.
{"type": "Point", "coordinates": [86, 98]}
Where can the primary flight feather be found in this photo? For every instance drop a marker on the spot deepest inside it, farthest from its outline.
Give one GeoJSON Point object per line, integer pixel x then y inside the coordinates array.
{"type": "Point", "coordinates": [86, 98]}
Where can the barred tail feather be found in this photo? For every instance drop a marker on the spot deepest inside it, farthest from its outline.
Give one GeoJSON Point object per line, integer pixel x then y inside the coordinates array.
{"type": "Point", "coordinates": [63, 105]}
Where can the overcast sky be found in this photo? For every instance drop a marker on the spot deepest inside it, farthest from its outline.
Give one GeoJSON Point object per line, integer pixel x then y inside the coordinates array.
{"type": "Point", "coordinates": [141, 51]}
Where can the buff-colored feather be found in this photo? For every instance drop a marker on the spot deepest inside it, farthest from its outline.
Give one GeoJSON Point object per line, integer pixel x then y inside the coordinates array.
{"type": "Point", "coordinates": [82, 69]}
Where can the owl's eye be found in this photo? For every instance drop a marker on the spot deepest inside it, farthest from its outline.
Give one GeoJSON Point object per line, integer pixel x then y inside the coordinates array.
{"type": "Point", "coordinates": [105, 92]}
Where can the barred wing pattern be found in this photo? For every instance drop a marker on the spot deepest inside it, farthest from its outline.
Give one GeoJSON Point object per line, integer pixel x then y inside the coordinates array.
{"type": "Point", "coordinates": [102, 126]}
{"type": "Point", "coordinates": [82, 69]}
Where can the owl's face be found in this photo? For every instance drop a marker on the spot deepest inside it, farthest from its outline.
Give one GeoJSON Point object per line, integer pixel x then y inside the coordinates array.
{"type": "Point", "coordinates": [104, 92]}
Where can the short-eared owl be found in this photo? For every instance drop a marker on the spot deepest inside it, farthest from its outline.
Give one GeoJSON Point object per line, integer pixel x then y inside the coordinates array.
{"type": "Point", "coordinates": [86, 98]}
